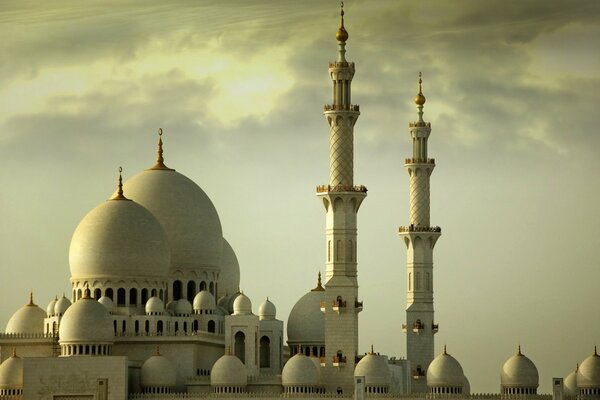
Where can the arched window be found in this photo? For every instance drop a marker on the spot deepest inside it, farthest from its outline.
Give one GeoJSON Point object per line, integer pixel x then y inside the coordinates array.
{"type": "Point", "coordinates": [159, 327]}
{"type": "Point", "coordinates": [109, 293]}
{"type": "Point", "coordinates": [191, 291]}
{"type": "Point", "coordinates": [195, 325]}
{"type": "Point", "coordinates": [121, 297]}
{"type": "Point", "coordinates": [124, 326]}
{"type": "Point", "coordinates": [211, 288]}
{"type": "Point", "coordinates": [137, 326]}
{"type": "Point", "coordinates": [177, 290]}
{"type": "Point", "coordinates": [211, 326]}
{"type": "Point", "coordinates": [240, 346]}
{"type": "Point", "coordinates": [78, 294]}
{"type": "Point", "coordinates": [97, 294]}
{"type": "Point", "coordinates": [132, 297]}
{"type": "Point", "coordinates": [144, 295]}
{"type": "Point", "coordinates": [202, 286]}
{"type": "Point", "coordinates": [147, 326]}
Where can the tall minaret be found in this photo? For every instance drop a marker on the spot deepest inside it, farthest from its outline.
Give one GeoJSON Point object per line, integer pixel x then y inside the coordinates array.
{"type": "Point", "coordinates": [420, 238]}
{"type": "Point", "coordinates": [341, 200]}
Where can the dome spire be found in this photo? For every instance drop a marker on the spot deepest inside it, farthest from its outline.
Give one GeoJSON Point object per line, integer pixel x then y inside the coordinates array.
{"type": "Point", "coordinates": [420, 99]}
{"type": "Point", "coordinates": [119, 195]}
{"type": "Point", "coordinates": [86, 292]}
{"type": "Point", "coordinates": [160, 160]}
{"type": "Point", "coordinates": [157, 350]}
{"type": "Point", "coordinates": [14, 353]}
{"type": "Point", "coordinates": [31, 303]}
{"type": "Point", "coordinates": [595, 352]}
{"type": "Point", "coordinates": [445, 350]}
{"type": "Point", "coordinates": [341, 36]}
{"type": "Point", "coordinates": [319, 287]}
{"type": "Point", "coordinates": [519, 351]}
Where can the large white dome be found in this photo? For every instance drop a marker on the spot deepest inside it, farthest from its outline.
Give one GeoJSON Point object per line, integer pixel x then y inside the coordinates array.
{"type": "Point", "coordinates": [306, 323]}
{"type": "Point", "coordinates": [119, 239]}
{"type": "Point", "coordinates": [11, 373]}
{"type": "Point", "coordinates": [300, 371]}
{"type": "Point", "coordinates": [242, 305]}
{"type": "Point", "coordinates": [570, 384]}
{"type": "Point", "coordinates": [228, 371]}
{"type": "Point", "coordinates": [28, 319]}
{"type": "Point", "coordinates": [229, 277]}
{"type": "Point", "coordinates": [86, 321]}
{"type": "Point", "coordinates": [445, 372]}
{"type": "Point", "coordinates": [519, 372]}
{"type": "Point", "coordinates": [187, 215]}
{"type": "Point", "coordinates": [375, 370]}
{"type": "Point", "coordinates": [158, 372]}
{"type": "Point", "coordinates": [588, 375]}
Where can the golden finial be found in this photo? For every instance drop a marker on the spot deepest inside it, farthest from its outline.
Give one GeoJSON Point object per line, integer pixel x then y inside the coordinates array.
{"type": "Point", "coordinates": [119, 195]}
{"type": "Point", "coordinates": [519, 351]}
{"type": "Point", "coordinates": [577, 368]}
{"type": "Point", "coordinates": [419, 98]}
{"type": "Point", "coordinates": [445, 352]}
{"type": "Point", "coordinates": [157, 351]}
{"type": "Point", "coordinates": [86, 292]}
{"type": "Point", "coordinates": [595, 352]}
{"type": "Point", "coordinates": [342, 34]}
{"type": "Point", "coordinates": [319, 287]}
{"type": "Point", "coordinates": [14, 354]}
{"type": "Point", "coordinates": [31, 303]}
{"type": "Point", "coordinates": [160, 161]}
{"type": "Point", "coordinates": [372, 351]}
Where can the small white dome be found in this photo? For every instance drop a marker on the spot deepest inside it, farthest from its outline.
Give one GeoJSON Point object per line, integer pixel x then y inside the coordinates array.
{"type": "Point", "coordinates": [86, 321]}
{"type": "Point", "coordinates": [267, 310]}
{"type": "Point", "coordinates": [300, 371]}
{"type": "Point", "coordinates": [242, 305]}
{"type": "Point", "coordinates": [204, 300]}
{"type": "Point", "coordinates": [183, 307]}
{"type": "Point", "coordinates": [588, 375]}
{"type": "Point", "coordinates": [11, 373]}
{"type": "Point", "coordinates": [375, 370]}
{"type": "Point", "coordinates": [158, 372]}
{"type": "Point", "coordinates": [519, 372]}
{"type": "Point", "coordinates": [445, 371]}
{"type": "Point", "coordinates": [50, 307]}
{"type": "Point", "coordinates": [229, 277]}
{"type": "Point", "coordinates": [119, 239]}
{"type": "Point", "coordinates": [228, 371]}
{"type": "Point", "coordinates": [154, 306]}
{"type": "Point", "coordinates": [171, 307]}
{"type": "Point", "coordinates": [570, 384]}
{"type": "Point", "coordinates": [226, 302]}
{"type": "Point", "coordinates": [306, 323]}
{"type": "Point", "coordinates": [106, 302]}
{"type": "Point", "coordinates": [61, 306]}
{"type": "Point", "coordinates": [186, 213]}
{"type": "Point", "coordinates": [27, 319]}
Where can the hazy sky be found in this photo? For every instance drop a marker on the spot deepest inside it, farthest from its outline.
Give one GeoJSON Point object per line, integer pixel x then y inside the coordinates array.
{"type": "Point", "coordinates": [513, 93]}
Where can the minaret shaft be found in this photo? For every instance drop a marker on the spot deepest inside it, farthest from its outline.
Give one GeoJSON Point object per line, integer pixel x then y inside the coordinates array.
{"type": "Point", "coordinates": [420, 238]}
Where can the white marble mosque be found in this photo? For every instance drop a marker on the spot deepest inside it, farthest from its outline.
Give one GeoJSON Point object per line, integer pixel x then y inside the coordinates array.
{"type": "Point", "coordinates": [155, 310]}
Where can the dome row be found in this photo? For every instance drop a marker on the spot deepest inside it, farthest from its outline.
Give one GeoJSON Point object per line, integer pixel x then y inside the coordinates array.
{"type": "Point", "coordinates": [585, 380]}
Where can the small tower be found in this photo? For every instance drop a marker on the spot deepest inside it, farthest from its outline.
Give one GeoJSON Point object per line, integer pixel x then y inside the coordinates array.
{"type": "Point", "coordinates": [420, 238]}
{"type": "Point", "coordinates": [341, 200]}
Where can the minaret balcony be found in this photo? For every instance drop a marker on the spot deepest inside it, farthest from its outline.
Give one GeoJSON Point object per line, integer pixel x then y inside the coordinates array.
{"type": "Point", "coordinates": [419, 228]}
{"type": "Point", "coordinates": [323, 306]}
{"type": "Point", "coordinates": [341, 107]}
{"type": "Point", "coordinates": [358, 305]}
{"type": "Point", "coordinates": [419, 124]}
{"type": "Point", "coordinates": [419, 161]}
{"type": "Point", "coordinates": [341, 188]}
{"type": "Point", "coordinates": [322, 360]}
{"type": "Point", "coordinates": [418, 326]}
{"type": "Point", "coordinates": [435, 327]}
{"type": "Point", "coordinates": [338, 305]}
{"type": "Point", "coordinates": [341, 64]}
{"type": "Point", "coordinates": [339, 361]}
{"type": "Point", "coordinates": [419, 374]}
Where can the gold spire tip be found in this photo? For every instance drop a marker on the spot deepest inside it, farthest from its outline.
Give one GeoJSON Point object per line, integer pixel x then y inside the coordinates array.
{"type": "Point", "coordinates": [595, 351]}
{"type": "Point", "coordinates": [160, 160]}
{"type": "Point", "coordinates": [519, 351]}
{"type": "Point", "coordinates": [445, 350]}
{"type": "Point", "coordinates": [319, 287]}
{"type": "Point", "coordinates": [119, 195]}
{"type": "Point", "coordinates": [342, 34]}
{"type": "Point", "coordinates": [372, 351]}
{"type": "Point", "coordinates": [157, 350]}
{"type": "Point", "coordinates": [420, 98]}
{"type": "Point", "coordinates": [14, 354]}
{"type": "Point", "coordinates": [31, 303]}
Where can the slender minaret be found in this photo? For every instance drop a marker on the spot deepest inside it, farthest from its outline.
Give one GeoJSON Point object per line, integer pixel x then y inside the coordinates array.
{"type": "Point", "coordinates": [341, 200]}
{"type": "Point", "coordinates": [420, 238]}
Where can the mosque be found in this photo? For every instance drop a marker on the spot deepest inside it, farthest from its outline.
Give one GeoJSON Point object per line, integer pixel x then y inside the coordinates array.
{"type": "Point", "coordinates": [155, 310]}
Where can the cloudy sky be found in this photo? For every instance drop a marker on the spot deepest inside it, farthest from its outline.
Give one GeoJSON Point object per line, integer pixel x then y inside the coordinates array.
{"type": "Point", "coordinates": [513, 90]}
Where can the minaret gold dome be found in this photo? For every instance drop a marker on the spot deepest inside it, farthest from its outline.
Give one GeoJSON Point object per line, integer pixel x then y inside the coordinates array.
{"type": "Point", "coordinates": [342, 34]}
{"type": "Point", "coordinates": [419, 98]}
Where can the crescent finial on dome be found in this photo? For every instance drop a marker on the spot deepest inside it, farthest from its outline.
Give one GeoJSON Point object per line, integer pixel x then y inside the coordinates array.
{"type": "Point", "coordinates": [445, 350]}
{"type": "Point", "coordinates": [342, 34]}
{"type": "Point", "coordinates": [420, 98]}
{"type": "Point", "coordinates": [519, 351]}
{"type": "Point", "coordinates": [87, 294]}
{"type": "Point", "coordinates": [14, 353]}
{"type": "Point", "coordinates": [595, 352]}
{"type": "Point", "coordinates": [319, 287]}
{"type": "Point", "coordinates": [31, 303]}
{"type": "Point", "coordinates": [160, 160]}
{"type": "Point", "coordinates": [119, 195]}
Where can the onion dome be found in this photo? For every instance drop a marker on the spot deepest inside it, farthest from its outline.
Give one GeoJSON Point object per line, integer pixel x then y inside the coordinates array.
{"type": "Point", "coordinates": [204, 302]}
{"type": "Point", "coordinates": [374, 368]}
{"type": "Point", "coordinates": [183, 307]}
{"type": "Point", "coordinates": [154, 306]}
{"type": "Point", "coordinates": [300, 374]}
{"type": "Point", "coordinates": [86, 322]}
{"type": "Point", "coordinates": [242, 305]}
{"type": "Point", "coordinates": [229, 277]}
{"type": "Point", "coordinates": [466, 387]}
{"type": "Point", "coordinates": [11, 376]}
{"type": "Point", "coordinates": [226, 302]}
{"type": "Point", "coordinates": [341, 35]}
{"type": "Point", "coordinates": [228, 372]}
{"type": "Point", "coordinates": [306, 323]}
{"type": "Point", "coordinates": [157, 374]}
{"type": "Point", "coordinates": [28, 319]}
{"type": "Point", "coordinates": [588, 375]}
{"type": "Point", "coordinates": [445, 375]}
{"type": "Point", "coordinates": [519, 375]}
{"type": "Point", "coordinates": [119, 239]}
{"type": "Point", "coordinates": [570, 384]}
{"type": "Point", "coordinates": [171, 307]}
{"type": "Point", "coordinates": [267, 310]}
{"type": "Point", "coordinates": [50, 307]}
{"type": "Point", "coordinates": [186, 213]}
{"type": "Point", "coordinates": [62, 305]}
{"type": "Point", "coordinates": [420, 98]}
{"type": "Point", "coordinates": [107, 303]}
